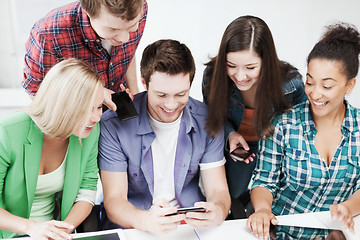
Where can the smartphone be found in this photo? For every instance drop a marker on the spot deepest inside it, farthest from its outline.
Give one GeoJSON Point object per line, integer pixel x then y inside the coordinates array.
{"type": "Point", "coordinates": [188, 209]}
{"type": "Point", "coordinates": [240, 154]}
{"type": "Point", "coordinates": [125, 108]}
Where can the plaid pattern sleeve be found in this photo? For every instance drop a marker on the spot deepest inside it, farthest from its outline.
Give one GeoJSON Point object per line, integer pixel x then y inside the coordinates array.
{"type": "Point", "coordinates": [299, 179]}
{"type": "Point", "coordinates": [38, 60]}
{"type": "Point", "coordinates": [65, 33]}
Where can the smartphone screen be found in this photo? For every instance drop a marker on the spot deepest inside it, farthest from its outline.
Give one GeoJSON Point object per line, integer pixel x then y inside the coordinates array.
{"type": "Point", "coordinates": [240, 154]}
{"type": "Point", "coordinates": [125, 108]}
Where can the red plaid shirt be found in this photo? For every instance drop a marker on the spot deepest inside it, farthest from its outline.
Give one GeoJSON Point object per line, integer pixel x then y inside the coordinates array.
{"type": "Point", "coordinates": [66, 33]}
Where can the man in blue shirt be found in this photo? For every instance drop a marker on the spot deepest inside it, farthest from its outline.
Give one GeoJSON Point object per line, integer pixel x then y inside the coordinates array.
{"type": "Point", "coordinates": [151, 165]}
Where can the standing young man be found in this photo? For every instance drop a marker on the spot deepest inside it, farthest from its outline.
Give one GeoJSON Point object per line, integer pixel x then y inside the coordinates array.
{"type": "Point", "coordinates": [103, 33]}
{"type": "Point", "coordinates": [151, 165]}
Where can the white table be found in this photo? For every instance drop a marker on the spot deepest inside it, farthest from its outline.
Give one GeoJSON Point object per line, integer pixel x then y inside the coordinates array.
{"type": "Point", "coordinates": [233, 229]}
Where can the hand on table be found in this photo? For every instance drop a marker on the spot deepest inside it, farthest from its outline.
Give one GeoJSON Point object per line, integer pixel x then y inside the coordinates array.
{"type": "Point", "coordinates": [259, 223]}
{"type": "Point", "coordinates": [57, 230]}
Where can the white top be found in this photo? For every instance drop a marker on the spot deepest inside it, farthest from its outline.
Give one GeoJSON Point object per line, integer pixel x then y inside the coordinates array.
{"type": "Point", "coordinates": [47, 185]}
{"type": "Point", "coordinates": [163, 151]}
{"type": "Point", "coordinates": [107, 45]}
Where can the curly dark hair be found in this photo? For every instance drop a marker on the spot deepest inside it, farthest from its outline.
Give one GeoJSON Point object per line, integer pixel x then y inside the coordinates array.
{"type": "Point", "coordinates": [341, 42]}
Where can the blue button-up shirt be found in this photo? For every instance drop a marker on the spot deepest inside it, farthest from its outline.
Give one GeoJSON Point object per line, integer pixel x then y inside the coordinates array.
{"type": "Point", "coordinates": [125, 146]}
{"type": "Point", "coordinates": [299, 179]}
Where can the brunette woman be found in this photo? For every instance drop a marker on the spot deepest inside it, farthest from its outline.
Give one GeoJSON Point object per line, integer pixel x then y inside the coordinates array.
{"type": "Point", "coordinates": [311, 161]}
{"type": "Point", "coordinates": [245, 86]}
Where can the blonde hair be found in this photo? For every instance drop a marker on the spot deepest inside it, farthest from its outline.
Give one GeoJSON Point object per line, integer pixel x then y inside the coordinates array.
{"type": "Point", "coordinates": [64, 100]}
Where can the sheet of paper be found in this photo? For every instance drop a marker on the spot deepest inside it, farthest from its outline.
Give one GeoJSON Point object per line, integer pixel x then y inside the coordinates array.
{"type": "Point", "coordinates": [181, 233]}
{"type": "Point", "coordinates": [320, 220]}
{"type": "Point", "coordinates": [231, 229]}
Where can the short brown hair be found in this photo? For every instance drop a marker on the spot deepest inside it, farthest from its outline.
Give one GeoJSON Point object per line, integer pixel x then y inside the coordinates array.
{"type": "Point", "coordinates": [125, 9]}
{"type": "Point", "coordinates": [167, 56]}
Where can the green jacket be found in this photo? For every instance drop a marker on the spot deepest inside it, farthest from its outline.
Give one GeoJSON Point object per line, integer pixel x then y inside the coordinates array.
{"type": "Point", "coordinates": [20, 152]}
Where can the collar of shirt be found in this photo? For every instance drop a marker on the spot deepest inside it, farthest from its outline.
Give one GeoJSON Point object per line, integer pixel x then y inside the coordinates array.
{"type": "Point", "coordinates": [90, 37]}
{"type": "Point", "coordinates": [349, 125]}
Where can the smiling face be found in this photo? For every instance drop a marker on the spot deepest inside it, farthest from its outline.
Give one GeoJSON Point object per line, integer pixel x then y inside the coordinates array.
{"type": "Point", "coordinates": [112, 28]}
{"type": "Point", "coordinates": [167, 95]}
{"type": "Point", "coordinates": [243, 68]}
{"type": "Point", "coordinates": [326, 87]}
{"type": "Point", "coordinates": [96, 112]}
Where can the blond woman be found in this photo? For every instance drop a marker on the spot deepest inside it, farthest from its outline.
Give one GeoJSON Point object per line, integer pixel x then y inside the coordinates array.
{"type": "Point", "coordinates": [48, 155]}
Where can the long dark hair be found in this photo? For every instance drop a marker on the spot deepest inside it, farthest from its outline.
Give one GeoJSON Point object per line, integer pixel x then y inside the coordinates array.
{"type": "Point", "coordinates": [244, 33]}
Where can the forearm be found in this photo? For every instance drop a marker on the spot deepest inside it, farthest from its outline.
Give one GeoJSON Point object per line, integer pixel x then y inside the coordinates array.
{"type": "Point", "coordinates": [216, 190]}
{"type": "Point", "coordinates": [222, 200]}
{"type": "Point", "coordinates": [353, 203]}
{"type": "Point", "coordinates": [12, 223]}
{"type": "Point", "coordinates": [78, 213]}
{"type": "Point", "coordinates": [123, 213]}
{"type": "Point", "coordinates": [261, 198]}
{"type": "Point", "coordinates": [131, 79]}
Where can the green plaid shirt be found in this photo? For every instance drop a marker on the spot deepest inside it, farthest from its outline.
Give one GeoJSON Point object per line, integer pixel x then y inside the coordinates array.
{"type": "Point", "coordinates": [299, 179]}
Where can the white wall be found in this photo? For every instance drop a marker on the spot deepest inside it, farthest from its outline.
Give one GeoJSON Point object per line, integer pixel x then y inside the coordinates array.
{"type": "Point", "coordinates": [296, 26]}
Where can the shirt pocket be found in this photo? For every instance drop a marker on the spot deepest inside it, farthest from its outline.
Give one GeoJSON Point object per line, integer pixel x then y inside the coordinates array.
{"type": "Point", "coordinates": [302, 172]}
{"type": "Point", "coordinates": [352, 171]}
{"type": "Point", "coordinates": [192, 172]}
{"type": "Point", "coordinates": [136, 178]}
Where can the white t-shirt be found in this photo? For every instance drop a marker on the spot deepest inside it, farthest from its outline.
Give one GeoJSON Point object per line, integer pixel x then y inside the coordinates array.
{"type": "Point", "coordinates": [163, 153]}
{"type": "Point", "coordinates": [107, 45]}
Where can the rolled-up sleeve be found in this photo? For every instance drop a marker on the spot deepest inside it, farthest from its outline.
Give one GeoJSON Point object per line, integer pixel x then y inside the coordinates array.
{"type": "Point", "coordinates": [111, 156]}
{"type": "Point", "coordinates": [214, 149]}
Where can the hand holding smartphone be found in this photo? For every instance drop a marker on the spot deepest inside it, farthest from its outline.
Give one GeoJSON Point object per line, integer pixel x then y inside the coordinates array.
{"type": "Point", "coordinates": [240, 154]}
{"type": "Point", "coordinates": [188, 209]}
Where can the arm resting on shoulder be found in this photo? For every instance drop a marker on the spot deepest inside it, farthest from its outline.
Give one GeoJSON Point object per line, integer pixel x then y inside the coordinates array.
{"type": "Point", "coordinates": [131, 80]}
